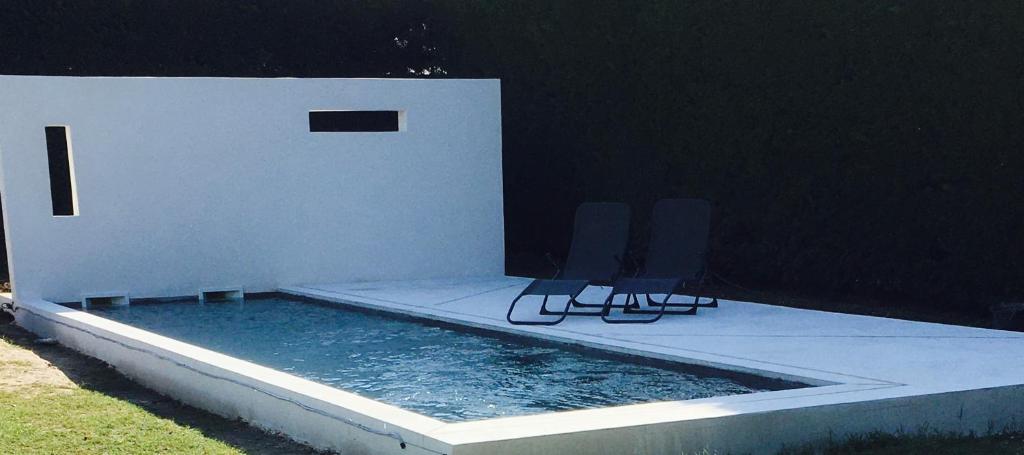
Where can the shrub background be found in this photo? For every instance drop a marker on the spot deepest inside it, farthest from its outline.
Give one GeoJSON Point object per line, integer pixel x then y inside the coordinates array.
{"type": "Point", "coordinates": [850, 147]}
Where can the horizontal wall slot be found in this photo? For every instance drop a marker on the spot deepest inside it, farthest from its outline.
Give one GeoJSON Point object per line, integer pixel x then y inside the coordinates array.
{"type": "Point", "coordinates": [104, 301]}
{"type": "Point", "coordinates": [356, 121]}
{"type": "Point", "coordinates": [221, 295]}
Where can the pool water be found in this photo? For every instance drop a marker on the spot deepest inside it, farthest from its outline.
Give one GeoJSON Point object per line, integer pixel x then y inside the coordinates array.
{"type": "Point", "coordinates": [435, 370]}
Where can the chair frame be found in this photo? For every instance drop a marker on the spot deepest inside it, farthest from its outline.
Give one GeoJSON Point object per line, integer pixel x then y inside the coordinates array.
{"type": "Point", "coordinates": [573, 286]}
{"type": "Point", "coordinates": [663, 306]}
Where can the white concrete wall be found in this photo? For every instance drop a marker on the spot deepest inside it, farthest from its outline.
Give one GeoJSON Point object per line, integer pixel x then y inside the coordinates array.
{"type": "Point", "coordinates": [188, 183]}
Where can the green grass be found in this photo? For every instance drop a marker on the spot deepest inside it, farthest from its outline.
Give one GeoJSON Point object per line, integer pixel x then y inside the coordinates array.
{"type": "Point", "coordinates": [921, 443]}
{"type": "Point", "coordinates": [48, 420]}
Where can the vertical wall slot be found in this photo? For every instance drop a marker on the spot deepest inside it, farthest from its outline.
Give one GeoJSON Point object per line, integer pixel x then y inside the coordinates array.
{"type": "Point", "coordinates": [356, 121]}
{"type": "Point", "coordinates": [62, 171]}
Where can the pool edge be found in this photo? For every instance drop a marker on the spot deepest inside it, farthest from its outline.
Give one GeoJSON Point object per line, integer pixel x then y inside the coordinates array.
{"type": "Point", "coordinates": [757, 422]}
{"type": "Point", "coordinates": [304, 411]}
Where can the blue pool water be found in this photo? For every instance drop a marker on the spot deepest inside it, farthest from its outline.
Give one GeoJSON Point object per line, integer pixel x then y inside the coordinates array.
{"type": "Point", "coordinates": [449, 374]}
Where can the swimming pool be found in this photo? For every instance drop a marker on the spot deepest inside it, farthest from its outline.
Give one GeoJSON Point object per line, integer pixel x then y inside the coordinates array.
{"type": "Point", "coordinates": [433, 369]}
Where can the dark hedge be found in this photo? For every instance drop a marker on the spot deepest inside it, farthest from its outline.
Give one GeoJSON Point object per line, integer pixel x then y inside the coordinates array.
{"type": "Point", "coordinates": [862, 147]}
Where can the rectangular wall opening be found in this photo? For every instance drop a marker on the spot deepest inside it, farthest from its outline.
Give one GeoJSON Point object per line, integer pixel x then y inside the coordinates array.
{"type": "Point", "coordinates": [62, 171]}
{"type": "Point", "coordinates": [104, 301]}
{"type": "Point", "coordinates": [356, 121]}
{"type": "Point", "coordinates": [221, 295]}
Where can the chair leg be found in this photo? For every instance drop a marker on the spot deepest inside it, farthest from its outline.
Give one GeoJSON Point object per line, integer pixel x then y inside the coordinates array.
{"type": "Point", "coordinates": [545, 311]}
{"type": "Point", "coordinates": [696, 303]}
{"type": "Point", "coordinates": [712, 304]}
{"type": "Point", "coordinates": [664, 307]}
{"type": "Point", "coordinates": [658, 313]}
{"type": "Point", "coordinates": [562, 314]}
{"type": "Point", "coordinates": [544, 308]}
{"type": "Point", "coordinates": [577, 304]}
{"type": "Point", "coordinates": [630, 302]}
{"type": "Point", "coordinates": [696, 300]}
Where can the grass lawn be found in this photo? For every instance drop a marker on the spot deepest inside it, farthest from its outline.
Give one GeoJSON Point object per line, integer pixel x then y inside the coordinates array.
{"type": "Point", "coordinates": [938, 444]}
{"type": "Point", "coordinates": [49, 419]}
{"type": "Point", "coordinates": [56, 401]}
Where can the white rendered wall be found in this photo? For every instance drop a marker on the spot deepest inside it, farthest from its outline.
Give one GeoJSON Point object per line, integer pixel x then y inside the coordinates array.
{"type": "Point", "coordinates": [189, 183]}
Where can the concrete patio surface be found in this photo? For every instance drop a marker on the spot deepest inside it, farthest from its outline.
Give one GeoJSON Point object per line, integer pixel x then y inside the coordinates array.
{"type": "Point", "coordinates": [871, 373]}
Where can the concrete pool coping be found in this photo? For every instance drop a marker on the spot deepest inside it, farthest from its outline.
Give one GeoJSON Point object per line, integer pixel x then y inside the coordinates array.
{"type": "Point", "coordinates": [307, 411]}
{"type": "Point", "coordinates": [871, 374]}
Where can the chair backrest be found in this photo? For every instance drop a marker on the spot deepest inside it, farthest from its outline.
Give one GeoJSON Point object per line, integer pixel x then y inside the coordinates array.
{"type": "Point", "coordinates": [599, 238]}
{"type": "Point", "coordinates": [679, 239]}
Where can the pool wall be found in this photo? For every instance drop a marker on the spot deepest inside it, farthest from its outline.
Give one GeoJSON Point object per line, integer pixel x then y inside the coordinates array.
{"type": "Point", "coordinates": [325, 417]}
{"type": "Point", "coordinates": [184, 184]}
{"type": "Point", "coordinates": [308, 412]}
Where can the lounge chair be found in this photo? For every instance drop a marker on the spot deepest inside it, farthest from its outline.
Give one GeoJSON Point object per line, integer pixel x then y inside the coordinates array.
{"type": "Point", "coordinates": [676, 263]}
{"type": "Point", "coordinates": [599, 238]}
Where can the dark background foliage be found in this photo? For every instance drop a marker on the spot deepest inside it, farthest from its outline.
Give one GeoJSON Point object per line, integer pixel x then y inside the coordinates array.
{"type": "Point", "coordinates": [852, 147]}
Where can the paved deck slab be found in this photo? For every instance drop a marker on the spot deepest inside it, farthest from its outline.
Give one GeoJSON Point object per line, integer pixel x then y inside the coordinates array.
{"type": "Point", "coordinates": [909, 373]}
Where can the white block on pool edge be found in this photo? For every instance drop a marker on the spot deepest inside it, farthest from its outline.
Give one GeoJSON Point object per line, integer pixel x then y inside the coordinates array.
{"type": "Point", "coordinates": [187, 183]}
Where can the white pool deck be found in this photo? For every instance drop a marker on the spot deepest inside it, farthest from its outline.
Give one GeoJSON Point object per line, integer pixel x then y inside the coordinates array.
{"type": "Point", "coordinates": [870, 374]}
{"type": "Point", "coordinates": [887, 364]}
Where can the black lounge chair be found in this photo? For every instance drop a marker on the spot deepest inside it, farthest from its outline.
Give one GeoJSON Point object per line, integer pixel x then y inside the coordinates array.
{"type": "Point", "coordinates": [676, 263]}
{"type": "Point", "coordinates": [599, 238]}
